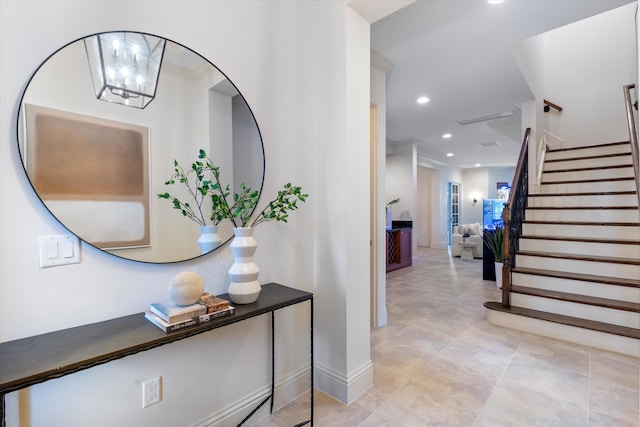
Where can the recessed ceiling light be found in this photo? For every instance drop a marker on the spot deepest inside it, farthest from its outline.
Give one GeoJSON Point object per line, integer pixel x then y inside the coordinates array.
{"type": "Point", "coordinates": [478, 165]}
{"type": "Point", "coordinates": [494, 1]}
{"type": "Point", "coordinates": [423, 100]}
{"type": "Point", "coordinates": [446, 135]}
{"type": "Point", "coordinates": [449, 154]}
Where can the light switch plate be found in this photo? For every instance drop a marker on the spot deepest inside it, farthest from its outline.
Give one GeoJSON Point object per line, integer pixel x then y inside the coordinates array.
{"type": "Point", "coordinates": [59, 250]}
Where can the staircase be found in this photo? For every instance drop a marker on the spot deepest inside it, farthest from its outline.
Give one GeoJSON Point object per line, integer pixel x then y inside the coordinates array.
{"type": "Point", "coordinates": [577, 268]}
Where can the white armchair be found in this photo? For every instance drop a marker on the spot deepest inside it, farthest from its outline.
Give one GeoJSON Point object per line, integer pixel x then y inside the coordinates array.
{"type": "Point", "coordinates": [475, 236]}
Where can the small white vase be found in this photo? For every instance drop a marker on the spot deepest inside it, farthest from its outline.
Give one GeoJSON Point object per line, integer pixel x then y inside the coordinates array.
{"type": "Point", "coordinates": [389, 218]}
{"type": "Point", "coordinates": [244, 287]}
{"type": "Point", "coordinates": [209, 238]}
{"type": "Point", "coordinates": [498, 274]}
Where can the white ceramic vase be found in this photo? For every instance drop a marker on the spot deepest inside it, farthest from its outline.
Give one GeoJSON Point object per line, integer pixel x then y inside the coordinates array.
{"type": "Point", "coordinates": [244, 287]}
{"type": "Point", "coordinates": [499, 274]}
{"type": "Point", "coordinates": [209, 238]}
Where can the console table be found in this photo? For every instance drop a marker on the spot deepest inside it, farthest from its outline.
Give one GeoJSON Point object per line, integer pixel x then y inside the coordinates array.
{"type": "Point", "coordinates": [40, 358]}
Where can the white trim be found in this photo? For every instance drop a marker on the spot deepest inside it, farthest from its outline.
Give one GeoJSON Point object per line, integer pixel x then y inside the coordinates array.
{"type": "Point", "coordinates": [345, 389]}
{"type": "Point", "coordinates": [287, 389]}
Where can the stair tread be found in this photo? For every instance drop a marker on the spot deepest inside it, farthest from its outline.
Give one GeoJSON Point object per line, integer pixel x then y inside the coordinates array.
{"type": "Point", "coordinates": [592, 157]}
{"type": "Point", "coordinates": [578, 276]}
{"type": "Point", "coordinates": [567, 320]}
{"type": "Point", "coordinates": [594, 193]}
{"type": "Point", "coordinates": [581, 299]}
{"type": "Point", "coordinates": [595, 223]}
{"type": "Point", "coordinates": [597, 258]}
{"type": "Point", "coordinates": [584, 239]}
{"type": "Point", "coordinates": [579, 181]}
{"type": "Point", "coordinates": [587, 147]}
{"type": "Point", "coordinates": [585, 169]}
{"type": "Point", "coordinates": [537, 208]}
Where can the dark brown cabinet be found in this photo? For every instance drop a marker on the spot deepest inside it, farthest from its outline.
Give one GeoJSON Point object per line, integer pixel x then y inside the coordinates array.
{"type": "Point", "coordinates": [398, 248]}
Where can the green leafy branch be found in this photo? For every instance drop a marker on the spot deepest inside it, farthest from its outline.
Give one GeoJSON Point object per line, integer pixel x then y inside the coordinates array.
{"type": "Point", "coordinates": [278, 208]}
{"type": "Point", "coordinates": [206, 185]}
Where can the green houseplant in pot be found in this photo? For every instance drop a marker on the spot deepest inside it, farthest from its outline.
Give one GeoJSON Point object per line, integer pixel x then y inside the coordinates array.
{"type": "Point", "coordinates": [494, 240]}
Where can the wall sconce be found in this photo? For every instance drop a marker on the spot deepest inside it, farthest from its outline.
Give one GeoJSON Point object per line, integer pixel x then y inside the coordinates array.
{"type": "Point", "coordinates": [474, 198]}
{"type": "Point", "coordinates": [125, 66]}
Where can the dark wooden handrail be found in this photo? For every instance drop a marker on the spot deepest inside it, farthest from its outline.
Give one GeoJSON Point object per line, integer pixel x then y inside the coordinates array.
{"type": "Point", "coordinates": [633, 136]}
{"type": "Point", "coordinates": [548, 105]}
{"type": "Point", "coordinates": [513, 215]}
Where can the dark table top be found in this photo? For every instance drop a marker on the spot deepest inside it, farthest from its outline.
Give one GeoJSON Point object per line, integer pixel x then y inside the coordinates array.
{"type": "Point", "coordinates": [39, 358]}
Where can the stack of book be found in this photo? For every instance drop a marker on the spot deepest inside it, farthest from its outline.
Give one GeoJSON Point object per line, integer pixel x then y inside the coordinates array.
{"type": "Point", "coordinates": [170, 317]}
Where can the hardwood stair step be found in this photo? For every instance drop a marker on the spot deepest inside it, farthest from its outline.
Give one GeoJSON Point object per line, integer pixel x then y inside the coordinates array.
{"type": "Point", "coordinates": [595, 258]}
{"type": "Point", "coordinates": [534, 208]}
{"type": "Point", "coordinates": [589, 157]}
{"type": "Point", "coordinates": [593, 193]}
{"type": "Point", "coordinates": [580, 185]}
{"type": "Point", "coordinates": [625, 171]}
{"type": "Point", "coordinates": [612, 214]}
{"type": "Point", "coordinates": [587, 168]}
{"type": "Point", "coordinates": [596, 161]}
{"type": "Point", "coordinates": [590, 147]}
{"type": "Point", "coordinates": [589, 223]}
{"type": "Point", "coordinates": [588, 150]}
{"type": "Point", "coordinates": [579, 276]}
{"type": "Point", "coordinates": [608, 328]}
{"type": "Point", "coordinates": [577, 298]}
{"type": "Point", "coordinates": [584, 239]}
{"type": "Point", "coordinates": [591, 180]}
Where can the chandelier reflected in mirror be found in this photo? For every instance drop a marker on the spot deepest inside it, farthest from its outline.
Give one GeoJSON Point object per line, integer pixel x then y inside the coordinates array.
{"type": "Point", "coordinates": [125, 66]}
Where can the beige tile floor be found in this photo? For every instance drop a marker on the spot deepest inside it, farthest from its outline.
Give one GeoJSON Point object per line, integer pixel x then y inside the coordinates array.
{"type": "Point", "coordinates": [439, 363]}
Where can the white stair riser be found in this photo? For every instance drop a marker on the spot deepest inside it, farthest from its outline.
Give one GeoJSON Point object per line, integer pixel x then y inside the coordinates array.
{"type": "Point", "coordinates": [588, 187]}
{"type": "Point", "coordinates": [589, 151]}
{"type": "Point", "coordinates": [626, 172]}
{"type": "Point", "coordinates": [588, 163]}
{"type": "Point", "coordinates": [582, 311]}
{"type": "Point", "coordinates": [586, 201]}
{"type": "Point", "coordinates": [624, 271]}
{"type": "Point", "coordinates": [631, 251]}
{"type": "Point", "coordinates": [582, 336]}
{"type": "Point", "coordinates": [594, 289]}
{"type": "Point", "coordinates": [594, 231]}
{"type": "Point", "coordinates": [584, 215]}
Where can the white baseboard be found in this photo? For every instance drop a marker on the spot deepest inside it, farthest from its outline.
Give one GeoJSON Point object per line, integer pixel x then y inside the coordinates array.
{"type": "Point", "coordinates": [345, 389]}
{"type": "Point", "coordinates": [286, 390]}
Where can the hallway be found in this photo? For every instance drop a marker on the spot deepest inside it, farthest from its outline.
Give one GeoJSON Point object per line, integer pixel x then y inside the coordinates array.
{"type": "Point", "coordinates": [439, 363]}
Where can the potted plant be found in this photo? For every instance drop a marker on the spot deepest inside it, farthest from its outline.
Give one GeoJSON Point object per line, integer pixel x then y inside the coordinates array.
{"type": "Point", "coordinates": [389, 213]}
{"type": "Point", "coordinates": [199, 183]}
{"type": "Point", "coordinates": [244, 287]}
{"type": "Point", "coordinates": [494, 240]}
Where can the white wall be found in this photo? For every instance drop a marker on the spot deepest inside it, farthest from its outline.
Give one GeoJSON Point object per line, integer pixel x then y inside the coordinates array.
{"type": "Point", "coordinates": [586, 64]}
{"type": "Point", "coordinates": [379, 69]}
{"type": "Point", "coordinates": [400, 179]}
{"type": "Point", "coordinates": [312, 127]}
{"type": "Point", "coordinates": [423, 226]}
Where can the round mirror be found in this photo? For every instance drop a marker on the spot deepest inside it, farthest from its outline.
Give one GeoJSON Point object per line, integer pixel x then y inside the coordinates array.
{"type": "Point", "coordinates": [99, 166]}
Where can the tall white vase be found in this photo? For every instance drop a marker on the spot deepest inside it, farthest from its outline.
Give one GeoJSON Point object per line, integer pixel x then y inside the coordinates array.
{"type": "Point", "coordinates": [244, 287]}
{"type": "Point", "coordinates": [209, 238]}
{"type": "Point", "coordinates": [498, 274]}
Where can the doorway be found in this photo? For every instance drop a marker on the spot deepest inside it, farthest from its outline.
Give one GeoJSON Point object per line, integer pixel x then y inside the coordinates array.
{"type": "Point", "coordinates": [453, 208]}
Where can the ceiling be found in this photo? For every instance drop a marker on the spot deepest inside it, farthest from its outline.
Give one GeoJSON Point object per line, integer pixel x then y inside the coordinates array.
{"type": "Point", "coordinates": [458, 53]}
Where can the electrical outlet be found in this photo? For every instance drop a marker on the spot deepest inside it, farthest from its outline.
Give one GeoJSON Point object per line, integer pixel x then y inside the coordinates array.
{"type": "Point", "coordinates": [151, 391]}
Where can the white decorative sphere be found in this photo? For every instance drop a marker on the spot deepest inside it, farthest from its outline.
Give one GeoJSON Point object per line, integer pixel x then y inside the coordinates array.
{"type": "Point", "coordinates": [185, 288]}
